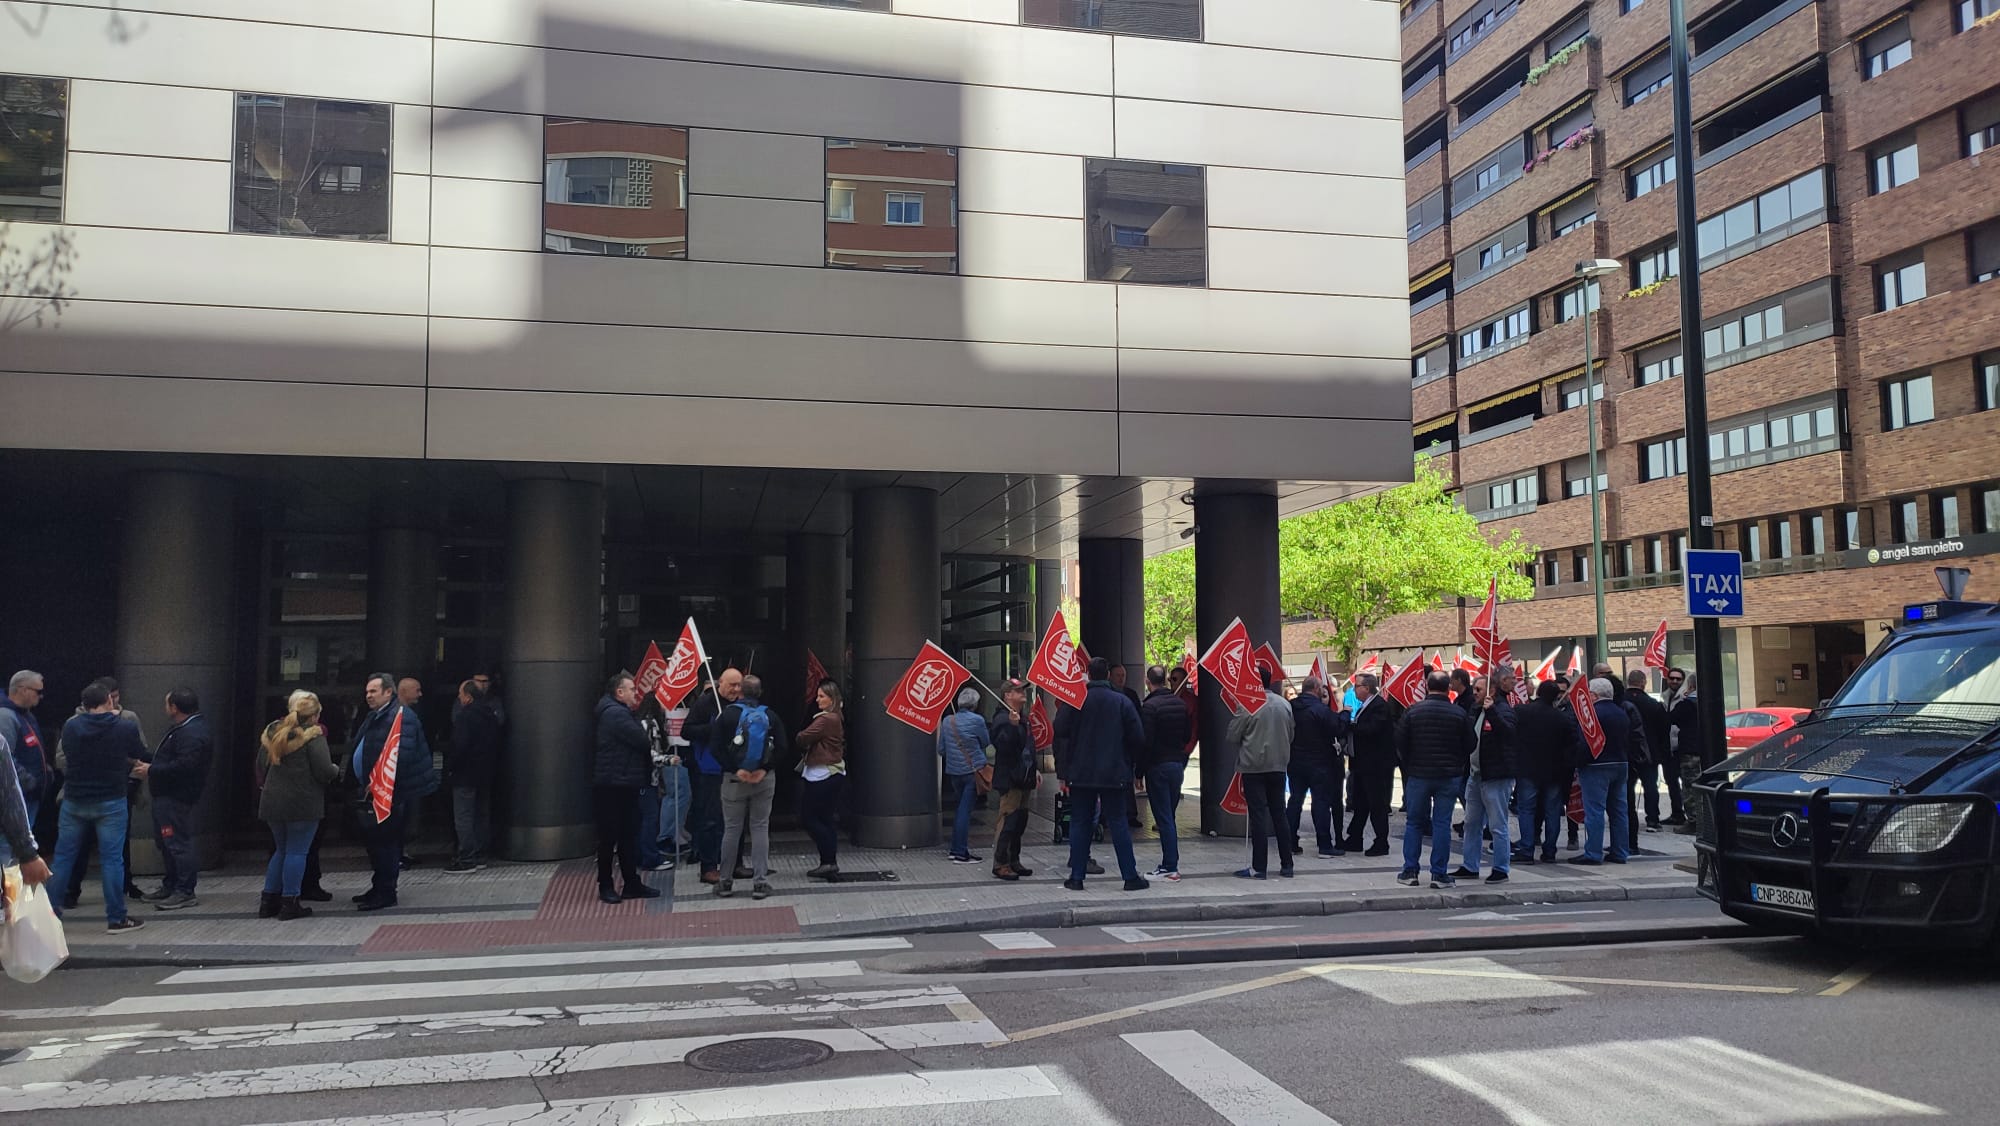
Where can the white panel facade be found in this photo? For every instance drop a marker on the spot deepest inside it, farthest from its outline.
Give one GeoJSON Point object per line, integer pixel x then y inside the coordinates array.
{"type": "Point", "coordinates": [1257, 328]}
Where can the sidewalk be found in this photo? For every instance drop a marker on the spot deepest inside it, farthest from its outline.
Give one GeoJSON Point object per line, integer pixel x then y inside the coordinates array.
{"type": "Point", "coordinates": [883, 892]}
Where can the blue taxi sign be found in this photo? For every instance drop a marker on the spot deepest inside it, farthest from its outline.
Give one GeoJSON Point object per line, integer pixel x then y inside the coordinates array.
{"type": "Point", "coordinates": [1714, 582]}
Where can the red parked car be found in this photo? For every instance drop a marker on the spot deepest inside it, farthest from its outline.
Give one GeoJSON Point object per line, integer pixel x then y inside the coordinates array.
{"type": "Point", "coordinates": [1748, 727]}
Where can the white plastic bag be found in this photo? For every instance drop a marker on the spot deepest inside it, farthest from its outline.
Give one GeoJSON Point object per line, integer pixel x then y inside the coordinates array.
{"type": "Point", "coordinates": [32, 943]}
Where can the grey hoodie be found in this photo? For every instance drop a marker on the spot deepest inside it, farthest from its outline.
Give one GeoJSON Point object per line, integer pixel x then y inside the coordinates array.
{"type": "Point", "coordinates": [1263, 738]}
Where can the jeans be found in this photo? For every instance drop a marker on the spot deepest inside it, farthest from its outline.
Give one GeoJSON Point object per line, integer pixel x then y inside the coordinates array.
{"type": "Point", "coordinates": [1604, 800]}
{"type": "Point", "coordinates": [290, 841]}
{"type": "Point", "coordinates": [748, 803]}
{"type": "Point", "coordinates": [107, 821]}
{"type": "Point", "coordinates": [963, 794]}
{"type": "Point", "coordinates": [1372, 783]}
{"type": "Point", "coordinates": [471, 819]}
{"type": "Point", "coordinates": [1013, 819]}
{"type": "Point", "coordinates": [1486, 804]}
{"type": "Point", "coordinates": [173, 832]}
{"type": "Point", "coordinates": [77, 873]}
{"type": "Point", "coordinates": [705, 819]}
{"type": "Point", "coordinates": [649, 827]}
{"type": "Point", "coordinates": [616, 809]}
{"type": "Point", "coordinates": [1086, 802]}
{"type": "Point", "coordinates": [819, 811]}
{"type": "Point", "coordinates": [676, 795]}
{"type": "Point", "coordinates": [1542, 805]}
{"type": "Point", "coordinates": [1323, 779]}
{"type": "Point", "coordinates": [1264, 791]}
{"type": "Point", "coordinates": [1431, 801]}
{"type": "Point", "coordinates": [1163, 793]}
{"type": "Point", "coordinates": [385, 848]}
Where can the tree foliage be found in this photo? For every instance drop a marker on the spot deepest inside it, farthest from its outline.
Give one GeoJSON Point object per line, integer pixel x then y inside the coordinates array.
{"type": "Point", "coordinates": [1354, 565]}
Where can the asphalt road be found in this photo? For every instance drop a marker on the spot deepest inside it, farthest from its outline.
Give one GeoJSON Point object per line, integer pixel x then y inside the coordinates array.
{"type": "Point", "coordinates": [1732, 1031]}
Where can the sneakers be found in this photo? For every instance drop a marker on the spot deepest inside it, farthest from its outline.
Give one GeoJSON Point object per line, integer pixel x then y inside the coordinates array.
{"type": "Point", "coordinates": [725, 888]}
{"type": "Point", "coordinates": [1496, 877]}
{"type": "Point", "coordinates": [760, 890]}
{"type": "Point", "coordinates": [1408, 878]}
{"type": "Point", "coordinates": [1464, 873]}
{"type": "Point", "coordinates": [153, 896]}
{"type": "Point", "coordinates": [638, 891]}
{"type": "Point", "coordinates": [1443, 883]}
{"type": "Point", "coordinates": [1165, 873]}
{"type": "Point", "coordinates": [176, 902]}
{"type": "Point", "coordinates": [743, 871]}
{"type": "Point", "coordinates": [1332, 854]}
{"type": "Point", "coordinates": [1249, 874]}
{"type": "Point", "coordinates": [1137, 883]}
{"type": "Point", "coordinates": [1091, 867]}
{"type": "Point", "coordinates": [965, 858]}
{"type": "Point", "coordinates": [666, 865]}
{"type": "Point", "coordinates": [462, 867]}
{"type": "Point", "coordinates": [123, 925]}
{"type": "Point", "coordinates": [1171, 877]}
{"type": "Point", "coordinates": [1073, 885]}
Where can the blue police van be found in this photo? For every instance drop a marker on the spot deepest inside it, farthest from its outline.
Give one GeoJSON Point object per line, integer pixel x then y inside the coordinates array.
{"type": "Point", "coordinates": [1876, 820]}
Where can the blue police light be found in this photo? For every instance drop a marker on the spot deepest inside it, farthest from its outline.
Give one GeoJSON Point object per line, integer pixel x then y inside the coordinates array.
{"type": "Point", "coordinates": [1743, 805]}
{"type": "Point", "coordinates": [1916, 613]}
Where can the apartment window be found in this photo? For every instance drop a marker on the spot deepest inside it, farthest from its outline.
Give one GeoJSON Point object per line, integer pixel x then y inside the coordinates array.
{"type": "Point", "coordinates": [1664, 458]}
{"type": "Point", "coordinates": [1629, 5]}
{"type": "Point", "coordinates": [1970, 12]}
{"type": "Point", "coordinates": [1983, 249]}
{"type": "Point", "coordinates": [1656, 555]}
{"type": "Point", "coordinates": [1491, 253]}
{"type": "Point", "coordinates": [1551, 574]}
{"type": "Point", "coordinates": [1569, 123]}
{"type": "Point", "coordinates": [1907, 402]}
{"type": "Point", "coordinates": [1986, 373]}
{"type": "Point", "coordinates": [879, 197]}
{"type": "Point", "coordinates": [1503, 329]}
{"type": "Point", "coordinates": [1475, 24]}
{"type": "Point", "coordinates": [1892, 164]}
{"type": "Point", "coordinates": [1772, 325]}
{"type": "Point", "coordinates": [1427, 214]}
{"type": "Point", "coordinates": [1779, 211]}
{"type": "Point", "coordinates": [1887, 49]}
{"type": "Point", "coordinates": [1775, 434]}
{"type": "Point", "coordinates": [1431, 364]}
{"type": "Point", "coordinates": [1575, 301]}
{"type": "Point", "coordinates": [1987, 513]}
{"type": "Point", "coordinates": [1165, 205]}
{"type": "Point", "coordinates": [34, 130]}
{"type": "Point", "coordinates": [1573, 29]}
{"type": "Point", "coordinates": [1579, 566]}
{"type": "Point", "coordinates": [1571, 392]}
{"type": "Point", "coordinates": [1525, 489]}
{"type": "Point", "coordinates": [1813, 533]}
{"type": "Point", "coordinates": [1981, 121]}
{"type": "Point", "coordinates": [1656, 264]}
{"type": "Point", "coordinates": [1752, 538]}
{"type": "Point", "coordinates": [1899, 280]}
{"type": "Point", "coordinates": [1649, 78]}
{"type": "Point", "coordinates": [283, 143]}
{"type": "Point", "coordinates": [1903, 521]}
{"type": "Point", "coordinates": [1658, 363]}
{"type": "Point", "coordinates": [1655, 173]}
{"type": "Point", "coordinates": [1576, 477]}
{"type": "Point", "coordinates": [1488, 173]}
{"type": "Point", "coordinates": [1569, 216]}
{"type": "Point", "coordinates": [1849, 520]}
{"type": "Point", "coordinates": [1162, 19]}
{"type": "Point", "coordinates": [1944, 515]}
{"type": "Point", "coordinates": [1781, 538]}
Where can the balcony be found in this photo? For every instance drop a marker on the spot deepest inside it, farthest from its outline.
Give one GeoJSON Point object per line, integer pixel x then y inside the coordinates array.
{"type": "Point", "coordinates": [1424, 172]}
{"type": "Point", "coordinates": [1429, 250]}
{"type": "Point", "coordinates": [1729, 75]}
{"type": "Point", "coordinates": [1432, 396]}
{"type": "Point", "coordinates": [1780, 14]}
{"type": "Point", "coordinates": [1940, 327]}
{"type": "Point", "coordinates": [1481, 114]}
{"type": "Point", "coordinates": [1554, 349]}
{"type": "Point", "coordinates": [1819, 481]}
{"type": "Point", "coordinates": [1942, 201]}
{"type": "Point", "coordinates": [1539, 270]}
{"type": "Point", "coordinates": [1629, 37]}
{"type": "Point", "coordinates": [1797, 114]}
{"type": "Point", "coordinates": [1530, 103]}
{"type": "Point", "coordinates": [1521, 448]}
{"type": "Point", "coordinates": [1431, 322]}
{"type": "Point", "coordinates": [1498, 430]}
{"type": "Point", "coordinates": [1913, 92]}
{"type": "Point", "coordinates": [1504, 512]}
{"type": "Point", "coordinates": [1659, 408]}
{"type": "Point", "coordinates": [1560, 174]}
{"type": "Point", "coordinates": [1423, 25]}
{"type": "Point", "coordinates": [1511, 37]}
{"type": "Point", "coordinates": [1423, 102]}
{"type": "Point", "coordinates": [1907, 461]}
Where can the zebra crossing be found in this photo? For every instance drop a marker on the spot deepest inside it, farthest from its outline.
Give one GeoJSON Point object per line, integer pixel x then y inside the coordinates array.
{"type": "Point", "coordinates": [630, 1037]}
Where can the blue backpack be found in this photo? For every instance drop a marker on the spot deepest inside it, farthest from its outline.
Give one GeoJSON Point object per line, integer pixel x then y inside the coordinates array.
{"type": "Point", "coordinates": [753, 734]}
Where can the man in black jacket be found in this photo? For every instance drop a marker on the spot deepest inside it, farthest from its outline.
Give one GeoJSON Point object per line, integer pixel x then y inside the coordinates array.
{"type": "Point", "coordinates": [1605, 796]}
{"type": "Point", "coordinates": [1105, 740]}
{"type": "Point", "coordinates": [1317, 732]}
{"type": "Point", "coordinates": [176, 776]}
{"type": "Point", "coordinates": [1653, 720]}
{"type": "Point", "coordinates": [1164, 717]}
{"type": "Point", "coordinates": [1637, 751]}
{"type": "Point", "coordinates": [619, 769]}
{"type": "Point", "coordinates": [475, 750]}
{"type": "Point", "coordinates": [1547, 748]}
{"type": "Point", "coordinates": [1373, 728]}
{"type": "Point", "coordinates": [414, 777]}
{"type": "Point", "coordinates": [1490, 793]}
{"type": "Point", "coordinates": [1014, 776]}
{"type": "Point", "coordinates": [1434, 742]}
{"type": "Point", "coordinates": [102, 751]}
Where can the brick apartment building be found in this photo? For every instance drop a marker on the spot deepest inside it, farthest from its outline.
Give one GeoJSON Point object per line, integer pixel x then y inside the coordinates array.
{"type": "Point", "coordinates": [1847, 163]}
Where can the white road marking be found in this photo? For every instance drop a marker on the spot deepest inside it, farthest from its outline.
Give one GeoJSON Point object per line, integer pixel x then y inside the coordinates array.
{"type": "Point", "coordinates": [532, 961]}
{"type": "Point", "coordinates": [1230, 1087]}
{"type": "Point", "coordinates": [1496, 916]}
{"type": "Point", "coordinates": [1017, 940]}
{"type": "Point", "coordinates": [1442, 979]}
{"type": "Point", "coordinates": [468, 1067]}
{"type": "Point", "coordinates": [1162, 932]}
{"type": "Point", "coordinates": [393, 991]}
{"type": "Point", "coordinates": [1658, 1083]}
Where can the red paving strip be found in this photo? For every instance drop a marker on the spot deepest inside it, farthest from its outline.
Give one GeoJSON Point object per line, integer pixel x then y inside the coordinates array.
{"type": "Point", "coordinates": [752, 922]}
{"type": "Point", "coordinates": [572, 894]}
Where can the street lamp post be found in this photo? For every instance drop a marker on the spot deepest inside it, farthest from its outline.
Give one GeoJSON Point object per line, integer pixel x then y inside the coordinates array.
{"type": "Point", "coordinates": [1587, 273]}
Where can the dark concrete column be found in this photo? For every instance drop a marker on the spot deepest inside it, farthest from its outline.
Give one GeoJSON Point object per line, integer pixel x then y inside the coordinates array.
{"type": "Point", "coordinates": [1112, 601]}
{"type": "Point", "coordinates": [176, 628]}
{"type": "Point", "coordinates": [403, 601]}
{"type": "Point", "coordinates": [1235, 575]}
{"type": "Point", "coordinates": [553, 662]}
{"type": "Point", "coordinates": [815, 615]}
{"type": "Point", "coordinates": [1048, 593]}
{"type": "Point", "coordinates": [897, 605]}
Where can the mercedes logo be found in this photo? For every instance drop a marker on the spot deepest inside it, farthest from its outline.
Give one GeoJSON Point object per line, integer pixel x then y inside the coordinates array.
{"type": "Point", "coordinates": [1785, 830]}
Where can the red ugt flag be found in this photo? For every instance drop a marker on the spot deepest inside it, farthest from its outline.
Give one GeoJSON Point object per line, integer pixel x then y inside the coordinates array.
{"type": "Point", "coordinates": [927, 685]}
{"type": "Point", "coordinates": [1267, 658]}
{"type": "Point", "coordinates": [1231, 663]}
{"type": "Point", "coordinates": [1407, 686]}
{"type": "Point", "coordinates": [1233, 800]}
{"type": "Point", "coordinates": [1586, 716]}
{"type": "Point", "coordinates": [1040, 730]}
{"type": "Point", "coordinates": [815, 676]}
{"type": "Point", "coordinates": [382, 782]}
{"type": "Point", "coordinates": [651, 669]}
{"type": "Point", "coordinates": [1656, 649]}
{"type": "Point", "coordinates": [1318, 670]}
{"type": "Point", "coordinates": [683, 671]}
{"type": "Point", "coordinates": [1057, 667]}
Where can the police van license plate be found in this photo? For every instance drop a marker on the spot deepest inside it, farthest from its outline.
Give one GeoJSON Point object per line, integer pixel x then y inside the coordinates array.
{"type": "Point", "coordinates": [1794, 898]}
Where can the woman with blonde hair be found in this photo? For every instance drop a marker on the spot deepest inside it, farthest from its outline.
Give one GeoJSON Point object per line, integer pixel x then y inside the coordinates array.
{"type": "Point", "coordinates": [294, 769]}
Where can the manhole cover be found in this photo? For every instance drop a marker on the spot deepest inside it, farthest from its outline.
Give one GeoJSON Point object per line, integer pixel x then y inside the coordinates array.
{"type": "Point", "coordinates": [750, 1057]}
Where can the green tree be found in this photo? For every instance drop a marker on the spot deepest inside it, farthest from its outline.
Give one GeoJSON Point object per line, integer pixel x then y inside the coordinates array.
{"type": "Point", "coordinates": [1355, 565]}
{"type": "Point", "coordinates": [1169, 605]}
